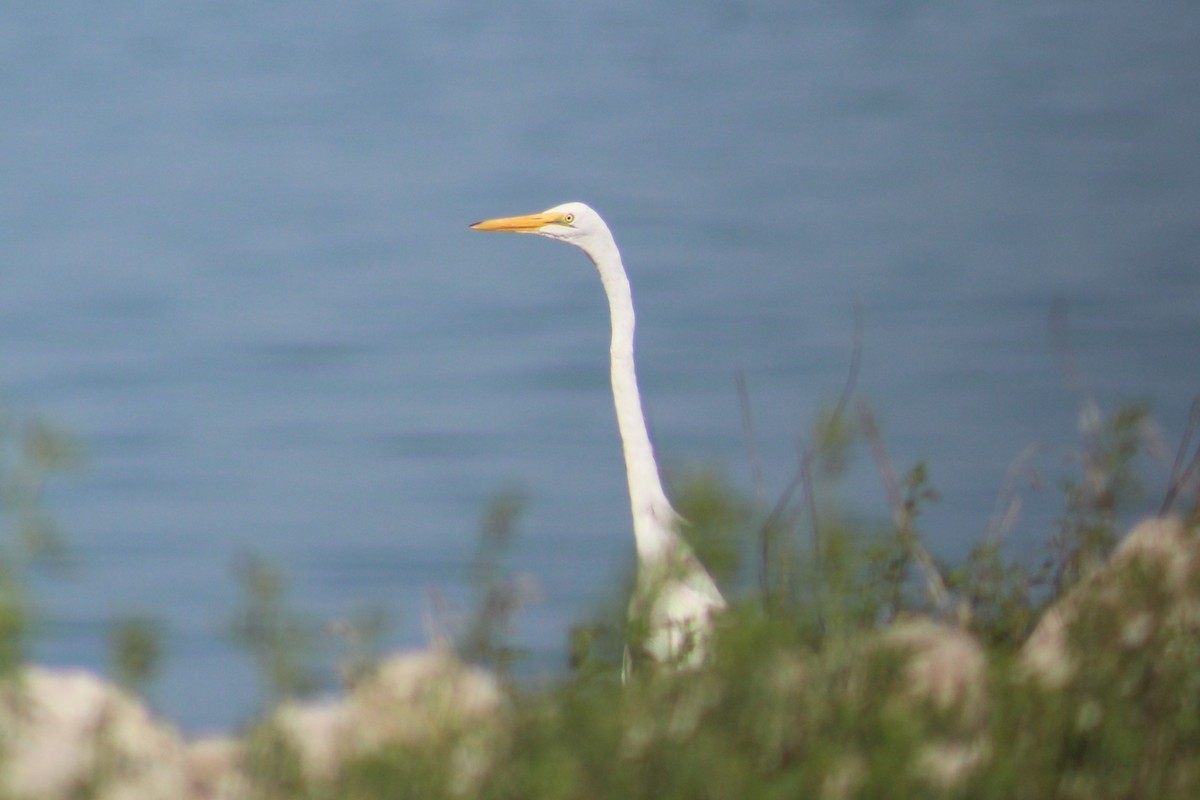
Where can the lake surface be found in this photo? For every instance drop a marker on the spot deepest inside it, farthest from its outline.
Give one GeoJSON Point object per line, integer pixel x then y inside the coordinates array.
{"type": "Point", "coordinates": [237, 269]}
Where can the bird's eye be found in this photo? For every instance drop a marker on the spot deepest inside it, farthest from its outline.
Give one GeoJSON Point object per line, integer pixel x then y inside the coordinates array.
{"type": "Point", "coordinates": [568, 218]}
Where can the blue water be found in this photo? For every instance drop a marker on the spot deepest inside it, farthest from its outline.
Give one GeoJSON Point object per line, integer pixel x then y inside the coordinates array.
{"type": "Point", "coordinates": [236, 267]}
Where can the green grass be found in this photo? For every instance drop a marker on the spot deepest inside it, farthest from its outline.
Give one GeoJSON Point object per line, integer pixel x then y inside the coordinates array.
{"type": "Point", "coordinates": [810, 696]}
{"type": "Point", "coordinates": [811, 692]}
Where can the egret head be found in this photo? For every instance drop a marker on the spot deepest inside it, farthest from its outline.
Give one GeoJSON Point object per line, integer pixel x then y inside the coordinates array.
{"type": "Point", "coordinates": [576, 223]}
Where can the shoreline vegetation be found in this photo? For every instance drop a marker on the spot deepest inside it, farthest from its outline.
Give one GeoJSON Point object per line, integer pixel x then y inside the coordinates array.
{"type": "Point", "coordinates": [851, 663]}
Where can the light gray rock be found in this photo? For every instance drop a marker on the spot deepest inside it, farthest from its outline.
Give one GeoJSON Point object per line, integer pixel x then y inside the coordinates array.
{"type": "Point", "coordinates": [409, 700]}
{"type": "Point", "coordinates": [1161, 548]}
{"type": "Point", "coordinates": [946, 668]}
{"type": "Point", "coordinates": [215, 768]}
{"type": "Point", "coordinates": [68, 733]}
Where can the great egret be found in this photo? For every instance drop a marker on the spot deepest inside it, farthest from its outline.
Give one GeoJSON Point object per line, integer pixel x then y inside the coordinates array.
{"type": "Point", "coordinates": [675, 597]}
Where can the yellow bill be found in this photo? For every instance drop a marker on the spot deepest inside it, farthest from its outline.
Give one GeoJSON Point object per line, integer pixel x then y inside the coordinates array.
{"type": "Point", "coordinates": [526, 224]}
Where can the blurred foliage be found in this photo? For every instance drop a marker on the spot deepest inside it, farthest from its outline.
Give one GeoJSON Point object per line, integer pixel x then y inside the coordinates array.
{"type": "Point", "coordinates": [804, 697]}
{"type": "Point", "coordinates": [360, 637]}
{"type": "Point", "coordinates": [808, 694]}
{"type": "Point", "coordinates": [498, 596]}
{"type": "Point", "coordinates": [280, 640]}
{"type": "Point", "coordinates": [717, 519]}
{"type": "Point", "coordinates": [1107, 483]}
{"type": "Point", "coordinates": [135, 650]}
{"type": "Point", "coordinates": [31, 454]}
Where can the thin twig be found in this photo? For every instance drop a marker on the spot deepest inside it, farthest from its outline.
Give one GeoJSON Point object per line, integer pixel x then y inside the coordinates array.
{"type": "Point", "coordinates": [1004, 515]}
{"type": "Point", "coordinates": [1179, 479]}
{"type": "Point", "coordinates": [818, 584]}
{"type": "Point", "coordinates": [879, 450]}
{"type": "Point", "coordinates": [934, 584]}
{"type": "Point", "coordinates": [807, 479]}
{"type": "Point", "coordinates": [760, 491]}
{"type": "Point", "coordinates": [756, 473]}
{"type": "Point", "coordinates": [1060, 339]}
{"type": "Point", "coordinates": [805, 463]}
{"type": "Point", "coordinates": [436, 617]}
{"type": "Point", "coordinates": [802, 478]}
{"type": "Point", "coordinates": [855, 363]}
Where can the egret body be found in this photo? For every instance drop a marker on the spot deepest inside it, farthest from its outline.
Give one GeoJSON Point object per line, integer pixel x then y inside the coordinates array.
{"type": "Point", "coordinates": [675, 597]}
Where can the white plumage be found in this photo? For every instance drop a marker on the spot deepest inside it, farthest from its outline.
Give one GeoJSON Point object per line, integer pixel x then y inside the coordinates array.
{"type": "Point", "coordinates": [675, 597]}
